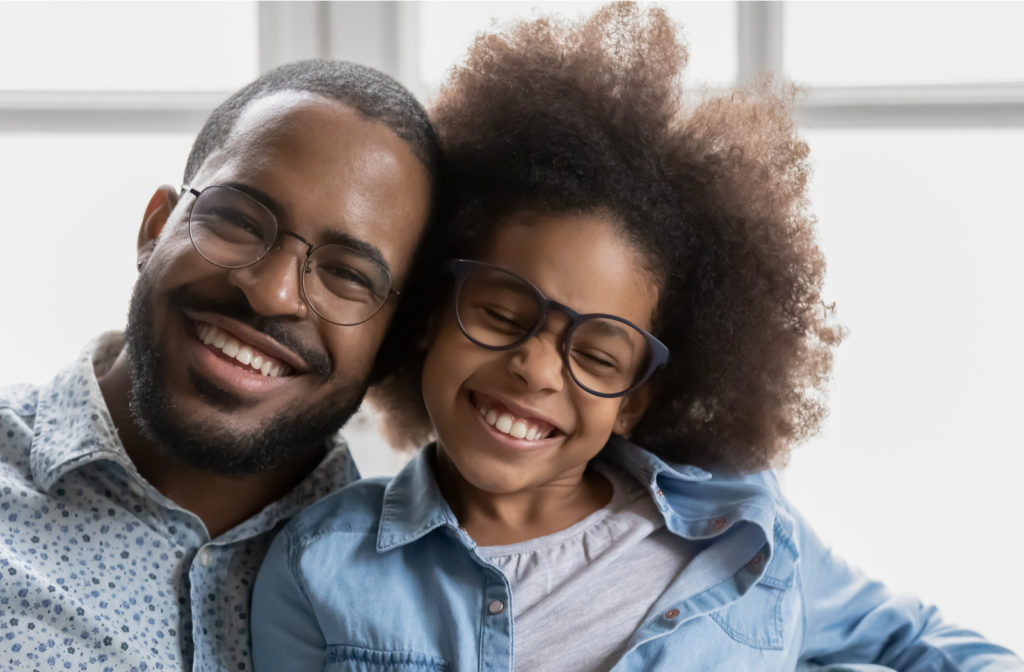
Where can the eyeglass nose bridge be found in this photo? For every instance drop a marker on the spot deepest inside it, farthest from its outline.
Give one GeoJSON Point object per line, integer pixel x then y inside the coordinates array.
{"type": "Point", "coordinates": [277, 245]}
{"type": "Point", "coordinates": [547, 307]}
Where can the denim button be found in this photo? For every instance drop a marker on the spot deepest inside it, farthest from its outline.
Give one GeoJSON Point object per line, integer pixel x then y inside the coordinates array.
{"type": "Point", "coordinates": [671, 613]}
{"type": "Point", "coordinates": [718, 524]}
{"type": "Point", "coordinates": [495, 607]}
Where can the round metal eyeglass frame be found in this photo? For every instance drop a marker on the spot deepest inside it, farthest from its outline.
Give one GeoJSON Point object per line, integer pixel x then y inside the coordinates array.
{"type": "Point", "coordinates": [463, 268]}
{"type": "Point", "coordinates": [310, 249]}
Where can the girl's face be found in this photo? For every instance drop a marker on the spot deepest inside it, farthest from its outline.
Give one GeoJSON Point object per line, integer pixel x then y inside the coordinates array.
{"type": "Point", "coordinates": [580, 261]}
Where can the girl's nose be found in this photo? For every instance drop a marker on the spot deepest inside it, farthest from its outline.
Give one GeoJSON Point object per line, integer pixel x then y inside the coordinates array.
{"type": "Point", "coordinates": [538, 363]}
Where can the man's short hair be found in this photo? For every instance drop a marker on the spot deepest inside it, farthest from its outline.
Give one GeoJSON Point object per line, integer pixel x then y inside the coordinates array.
{"type": "Point", "coordinates": [373, 94]}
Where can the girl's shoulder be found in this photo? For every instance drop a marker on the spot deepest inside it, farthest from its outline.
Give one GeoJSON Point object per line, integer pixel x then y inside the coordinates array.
{"type": "Point", "coordinates": [354, 509]}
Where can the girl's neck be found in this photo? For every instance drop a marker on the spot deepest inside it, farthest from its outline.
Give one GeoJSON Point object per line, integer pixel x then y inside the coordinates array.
{"type": "Point", "coordinates": [499, 519]}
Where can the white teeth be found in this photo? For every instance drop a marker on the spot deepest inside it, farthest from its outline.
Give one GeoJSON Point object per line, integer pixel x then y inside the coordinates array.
{"type": "Point", "coordinates": [211, 335]}
{"type": "Point", "coordinates": [518, 429]}
{"type": "Point", "coordinates": [231, 348]}
{"type": "Point", "coordinates": [504, 423]}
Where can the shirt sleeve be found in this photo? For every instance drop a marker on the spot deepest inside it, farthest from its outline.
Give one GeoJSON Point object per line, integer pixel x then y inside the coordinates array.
{"type": "Point", "coordinates": [285, 632]}
{"type": "Point", "coordinates": [850, 619]}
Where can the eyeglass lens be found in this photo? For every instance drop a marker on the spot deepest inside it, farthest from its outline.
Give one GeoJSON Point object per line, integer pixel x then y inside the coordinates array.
{"type": "Point", "coordinates": [498, 309]}
{"type": "Point", "coordinates": [232, 230]}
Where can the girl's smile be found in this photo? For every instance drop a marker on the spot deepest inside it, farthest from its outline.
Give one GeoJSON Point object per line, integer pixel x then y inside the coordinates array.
{"type": "Point", "coordinates": [514, 422]}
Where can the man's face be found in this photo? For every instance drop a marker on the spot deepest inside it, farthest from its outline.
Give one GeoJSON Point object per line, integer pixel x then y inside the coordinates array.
{"type": "Point", "coordinates": [327, 174]}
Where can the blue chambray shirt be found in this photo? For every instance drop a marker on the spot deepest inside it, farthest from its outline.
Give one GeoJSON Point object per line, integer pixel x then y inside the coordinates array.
{"type": "Point", "coordinates": [379, 577]}
{"type": "Point", "coordinates": [98, 570]}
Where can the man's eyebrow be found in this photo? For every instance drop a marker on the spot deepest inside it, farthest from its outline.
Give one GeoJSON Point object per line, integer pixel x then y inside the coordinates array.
{"type": "Point", "coordinates": [329, 236]}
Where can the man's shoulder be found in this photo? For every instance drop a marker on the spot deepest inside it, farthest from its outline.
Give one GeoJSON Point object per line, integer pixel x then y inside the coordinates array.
{"type": "Point", "coordinates": [17, 427]}
{"type": "Point", "coordinates": [18, 400]}
{"type": "Point", "coordinates": [355, 509]}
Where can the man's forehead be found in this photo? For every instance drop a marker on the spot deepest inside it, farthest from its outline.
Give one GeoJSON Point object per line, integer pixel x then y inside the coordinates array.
{"type": "Point", "coordinates": [264, 121]}
{"type": "Point", "coordinates": [269, 111]}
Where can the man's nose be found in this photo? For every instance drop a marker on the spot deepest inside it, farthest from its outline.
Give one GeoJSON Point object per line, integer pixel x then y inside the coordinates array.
{"type": "Point", "coordinates": [273, 285]}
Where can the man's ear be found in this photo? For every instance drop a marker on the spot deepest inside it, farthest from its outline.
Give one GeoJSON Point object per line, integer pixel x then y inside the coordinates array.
{"type": "Point", "coordinates": [632, 408]}
{"type": "Point", "coordinates": [159, 209]}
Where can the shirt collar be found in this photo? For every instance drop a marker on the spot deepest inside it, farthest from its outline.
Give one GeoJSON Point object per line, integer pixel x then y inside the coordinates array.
{"type": "Point", "coordinates": [413, 504]}
{"type": "Point", "coordinates": [72, 425]}
{"type": "Point", "coordinates": [701, 505]}
{"type": "Point", "coordinates": [696, 503]}
{"type": "Point", "coordinates": [73, 428]}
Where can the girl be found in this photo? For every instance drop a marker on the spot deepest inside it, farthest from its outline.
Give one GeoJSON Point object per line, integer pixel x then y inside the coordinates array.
{"type": "Point", "coordinates": [628, 333]}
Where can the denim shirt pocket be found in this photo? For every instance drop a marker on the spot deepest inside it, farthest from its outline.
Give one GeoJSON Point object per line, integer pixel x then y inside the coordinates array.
{"type": "Point", "coordinates": [766, 615]}
{"type": "Point", "coordinates": [342, 658]}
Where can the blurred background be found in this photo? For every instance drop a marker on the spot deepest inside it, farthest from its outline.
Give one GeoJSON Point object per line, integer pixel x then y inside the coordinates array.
{"type": "Point", "coordinates": [914, 113]}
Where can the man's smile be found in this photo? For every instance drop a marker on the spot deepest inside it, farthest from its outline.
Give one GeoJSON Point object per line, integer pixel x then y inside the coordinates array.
{"type": "Point", "coordinates": [240, 351]}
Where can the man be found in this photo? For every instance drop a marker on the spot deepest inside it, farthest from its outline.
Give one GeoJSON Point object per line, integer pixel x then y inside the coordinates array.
{"type": "Point", "coordinates": [140, 488]}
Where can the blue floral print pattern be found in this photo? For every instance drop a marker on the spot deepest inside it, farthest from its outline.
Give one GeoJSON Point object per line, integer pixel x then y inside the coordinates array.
{"type": "Point", "coordinates": [98, 570]}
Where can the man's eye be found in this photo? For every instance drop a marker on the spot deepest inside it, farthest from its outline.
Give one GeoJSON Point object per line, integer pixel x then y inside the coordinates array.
{"type": "Point", "coordinates": [236, 220]}
{"type": "Point", "coordinates": [347, 274]}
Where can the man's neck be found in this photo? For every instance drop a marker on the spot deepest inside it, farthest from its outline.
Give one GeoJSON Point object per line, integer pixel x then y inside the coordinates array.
{"type": "Point", "coordinates": [220, 501]}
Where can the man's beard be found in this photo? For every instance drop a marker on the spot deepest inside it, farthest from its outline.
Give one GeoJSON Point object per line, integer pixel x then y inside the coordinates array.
{"type": "Point", "coordinates": [294, 431]}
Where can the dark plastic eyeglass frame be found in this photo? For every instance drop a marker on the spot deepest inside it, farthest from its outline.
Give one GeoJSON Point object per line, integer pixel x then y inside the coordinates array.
{"type": "Point", "coordinates": [310, 249]}
{"type": "Point", "coordinates": [463, 268]}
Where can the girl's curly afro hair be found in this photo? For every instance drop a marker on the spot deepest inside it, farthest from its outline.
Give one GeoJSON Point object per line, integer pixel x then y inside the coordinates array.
{"type": "Point", "coordinates": [553, 116]}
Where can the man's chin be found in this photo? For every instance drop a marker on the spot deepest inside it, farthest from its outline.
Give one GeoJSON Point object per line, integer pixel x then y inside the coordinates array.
{"type": "Point", "coordinates": [208, 431]}
{"type": "Point", "coordinates": [211, 439]}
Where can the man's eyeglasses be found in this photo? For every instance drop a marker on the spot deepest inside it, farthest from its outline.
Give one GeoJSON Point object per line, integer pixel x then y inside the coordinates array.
{"type": "Point", "coordinates": [231, 229]}
{"type": "Point", "coordinates": [606, 355]}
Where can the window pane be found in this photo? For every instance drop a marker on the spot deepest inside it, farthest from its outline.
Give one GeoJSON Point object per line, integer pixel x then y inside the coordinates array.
{"type": "Point", "coordinates": [446, 29]}
{"type": "Point", "coordinates": [73, 204]}
{"type": "Point", "coordinates": [920, 461]}
{"type": "Point", "coordinates": [129, 46]}
{"type": "Point", "coordinates": [846, 43]}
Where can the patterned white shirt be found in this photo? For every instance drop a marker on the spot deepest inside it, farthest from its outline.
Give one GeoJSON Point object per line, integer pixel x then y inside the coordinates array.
{"type": "Point", "coordinates": [98, 570]}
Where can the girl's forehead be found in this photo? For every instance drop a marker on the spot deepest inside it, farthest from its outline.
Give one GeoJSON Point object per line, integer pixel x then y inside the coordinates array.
{"type": "Point", "coordinates": [580, 259]}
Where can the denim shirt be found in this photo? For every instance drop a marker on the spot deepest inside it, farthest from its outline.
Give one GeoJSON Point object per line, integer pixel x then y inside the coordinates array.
{"type": "Point", "coordinates": [379, 576]}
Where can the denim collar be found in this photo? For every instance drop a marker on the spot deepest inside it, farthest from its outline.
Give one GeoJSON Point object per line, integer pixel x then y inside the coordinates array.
{"type": "Point", "coordinates": [743, 511]}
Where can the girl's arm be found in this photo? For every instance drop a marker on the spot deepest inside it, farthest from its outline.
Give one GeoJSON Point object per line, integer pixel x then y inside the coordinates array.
{"type": "Point", "coordinates": [849, 618]}
{"type": "Point", "coordinates": [285, 632]}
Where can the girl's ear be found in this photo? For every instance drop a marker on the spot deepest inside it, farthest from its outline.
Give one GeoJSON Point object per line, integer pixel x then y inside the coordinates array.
{"type": "Point", "coordinates": [427, 335]}
{"type": "Point", "coordinates": [632, 408]}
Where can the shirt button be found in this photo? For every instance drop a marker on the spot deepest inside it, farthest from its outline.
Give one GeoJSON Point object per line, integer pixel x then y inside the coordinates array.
{"type": "Point", "coordinates": [660, 493]}
{"type": "Point", "coordinates": [495, 607]}
{"type": "Point", "coordinates": [755, 562]}
{"type": "Point", "coordinates": [718, 524]}
{"type": "Point", "coordinates": [671, 613]}
{"type": "Point", "coordinates": [205, 557]}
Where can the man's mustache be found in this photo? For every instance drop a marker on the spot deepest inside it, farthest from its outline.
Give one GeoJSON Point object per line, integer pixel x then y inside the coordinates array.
{"type": "Point", "coordinates": [281, 329]}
